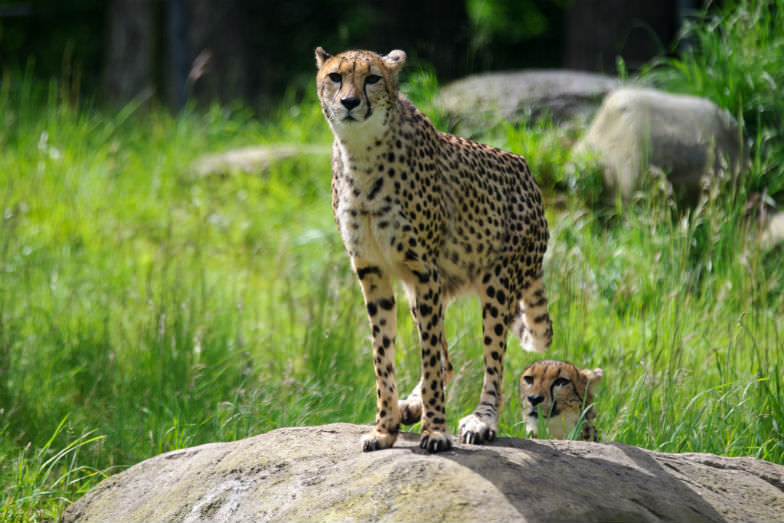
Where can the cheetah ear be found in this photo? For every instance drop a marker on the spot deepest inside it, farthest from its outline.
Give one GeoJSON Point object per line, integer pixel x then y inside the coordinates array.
{"type": "Point", "coordinates": [321, 56]}
{"type": "Point", "coordinates": [395, 60]}
{"type": "Point", "coordinates": [593, 376]}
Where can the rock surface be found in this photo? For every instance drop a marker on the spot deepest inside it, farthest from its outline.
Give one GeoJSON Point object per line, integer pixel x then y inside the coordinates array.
{"type": "Point", "coordinates": [686, 137]}
{"type": "Point", "coordinates": [773, 234]}
{"type": "Point", "coordinates": [319, 474]}
{"type": "Point", "coordinates": [480, 100]}
{"type": "Point", "coordinates": [252, 159]}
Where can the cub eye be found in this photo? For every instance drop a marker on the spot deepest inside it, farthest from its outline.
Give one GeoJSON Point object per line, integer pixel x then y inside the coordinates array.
{"type": "Point", "coordinates": [335, 77]}
{"type": "Point", "coordinates": [560, 382]}
{"type": "Point", "coordinates": [372, 79]}
{"type": "Point", "coordinates": [529, 380]}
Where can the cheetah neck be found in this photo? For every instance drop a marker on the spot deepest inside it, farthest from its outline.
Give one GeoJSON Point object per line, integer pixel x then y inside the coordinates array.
{"type": "Point", "coordinates": [363, 148]}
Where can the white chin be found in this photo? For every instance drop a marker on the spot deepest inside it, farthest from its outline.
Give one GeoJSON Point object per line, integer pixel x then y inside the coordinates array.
{"type": "Point", "coordinates": [344, 120]}
{"type": "Point", "coordinates": [359, 130]}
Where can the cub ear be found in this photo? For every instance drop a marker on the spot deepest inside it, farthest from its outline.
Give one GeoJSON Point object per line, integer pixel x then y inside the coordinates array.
{"type": "Point", "coordinates": [593, 376]}
{"type": "Point", "coordinates": [321, 56]}
{"type": "Point", "coordinates": [395, 60]}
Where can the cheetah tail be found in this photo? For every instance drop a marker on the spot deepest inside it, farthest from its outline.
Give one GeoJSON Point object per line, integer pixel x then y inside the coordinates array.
{"type": "Point", "coordinates": [532, 322]}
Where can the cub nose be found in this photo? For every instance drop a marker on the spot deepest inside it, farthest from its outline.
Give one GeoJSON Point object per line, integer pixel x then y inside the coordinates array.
{"type": "Point", "coordinates": [350, 102]}
{"type": "Point", "coordinates": [535, 399]}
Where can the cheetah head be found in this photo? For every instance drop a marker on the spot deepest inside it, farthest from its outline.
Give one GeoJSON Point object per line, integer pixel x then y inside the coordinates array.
{"type": "Point", "coordinates": [559, 396]}
{"type": "Point", "coordinates": [357, 89]}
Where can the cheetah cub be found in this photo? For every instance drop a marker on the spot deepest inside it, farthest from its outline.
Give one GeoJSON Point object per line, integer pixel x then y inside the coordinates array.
{"type": "Point", "coordinates": [560, 396]}
{"type": "Point", "coordinates": [442, 215]}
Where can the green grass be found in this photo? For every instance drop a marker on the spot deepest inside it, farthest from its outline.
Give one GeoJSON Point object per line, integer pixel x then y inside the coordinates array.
{"type": "Point", "coordinates": [41, 483]}
{"type": "Point", "coordinates": [144, 308]}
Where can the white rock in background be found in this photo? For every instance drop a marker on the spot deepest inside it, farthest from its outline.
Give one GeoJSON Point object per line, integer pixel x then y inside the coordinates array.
{"type": "Point", "coordinates": [686, 137]}
{"type": "Point", "coordinates": [252, 159]}
{"type": "Point", "coordinates": [773, 233]}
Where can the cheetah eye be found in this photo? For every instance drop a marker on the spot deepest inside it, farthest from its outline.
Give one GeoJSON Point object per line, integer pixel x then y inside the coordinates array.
{"type": "Point", "coordinates": [529, 380]}
{"type": "Point", "coordinates": [372, 79]}
{"type": "Point", "coordinates": [560, 382]}
{"type": "Point", "coordinates": [335, 77]}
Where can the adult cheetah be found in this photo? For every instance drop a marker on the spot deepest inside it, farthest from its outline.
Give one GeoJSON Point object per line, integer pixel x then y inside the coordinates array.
{"type": "Point", "coordinates": [444, 216]}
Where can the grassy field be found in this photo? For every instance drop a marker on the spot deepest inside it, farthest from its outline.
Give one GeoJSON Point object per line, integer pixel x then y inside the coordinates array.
{"type": "Point", "coordinates": [144, 308]}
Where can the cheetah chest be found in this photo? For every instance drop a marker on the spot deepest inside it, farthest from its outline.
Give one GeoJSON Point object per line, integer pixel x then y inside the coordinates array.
{"type": "Point", "coordinates": [369, 235]}
{"type": "Point", "coordinates": [376, 232]}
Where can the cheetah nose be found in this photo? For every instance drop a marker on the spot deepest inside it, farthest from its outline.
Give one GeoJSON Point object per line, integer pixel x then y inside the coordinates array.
{"type": "Point", "coordinates": [535, 399]}
{"type": "Point", "coordinates": [350, 102]}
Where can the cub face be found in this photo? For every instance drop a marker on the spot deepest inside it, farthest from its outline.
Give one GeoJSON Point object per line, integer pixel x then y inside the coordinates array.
{"type": "Point", "coordinates": [559, 392]}
{"type": "Point", "coordinates": [357, 89]}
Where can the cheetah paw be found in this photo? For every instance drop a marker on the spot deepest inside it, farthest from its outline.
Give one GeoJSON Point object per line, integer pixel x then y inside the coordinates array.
{"type": "Point", "coordinates": [377, 440]}
{"type": "Point", "coordinates": [410, 410]}
{"type": "Point", "coordinates": [435, 441]}
{"type": "Point", "coordinates": [473, 429]}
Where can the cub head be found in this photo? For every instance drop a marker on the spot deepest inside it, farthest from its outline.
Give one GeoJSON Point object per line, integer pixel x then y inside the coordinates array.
{"type": "Point", "coordinates": [559, 396]}
{"type": "Point", "coordinates": [357, 89]}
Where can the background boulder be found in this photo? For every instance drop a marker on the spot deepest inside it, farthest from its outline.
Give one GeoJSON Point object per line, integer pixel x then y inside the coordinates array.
{"type": "Point", "coordinates": [252, 159]}
{"type": "Point", "coordinates": [320, 474]}
{"type": "Point", "coordinates": [773, 232]}
{"type": "Point", "coordinates": [640, 130]}
{"type": "Point", "coordinates": [481, 100]}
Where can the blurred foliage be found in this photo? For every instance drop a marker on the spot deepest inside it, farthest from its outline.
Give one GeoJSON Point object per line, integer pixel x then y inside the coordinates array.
{"type": "Point", "coordinates": [503, 33]}
{"type": "Point", "coordinates": [59, 39]}
{"type": "Point", "coordinates": [266, 48]}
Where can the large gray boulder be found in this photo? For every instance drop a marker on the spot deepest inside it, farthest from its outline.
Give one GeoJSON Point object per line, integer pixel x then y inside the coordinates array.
{"type": "Point", "coordinates": [481, 100]}
{"type": "Point", "coordinates": [320, 474]}
{"type": "Point", "coordinates": [638, 131]}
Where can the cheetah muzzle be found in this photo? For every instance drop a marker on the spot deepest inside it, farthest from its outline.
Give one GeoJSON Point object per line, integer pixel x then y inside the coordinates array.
{"type": "Point", "coordinates": [444, 216]}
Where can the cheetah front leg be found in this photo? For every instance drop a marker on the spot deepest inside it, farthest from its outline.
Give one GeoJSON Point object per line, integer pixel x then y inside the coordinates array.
{"type": "Point", "coordinates": [380, 304]}
{"type": "Point", "coordinates": [497, 306]}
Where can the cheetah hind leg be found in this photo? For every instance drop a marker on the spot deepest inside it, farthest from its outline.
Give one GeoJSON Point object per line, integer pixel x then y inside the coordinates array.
{"type": "Point", "coordinates": [411, 407]}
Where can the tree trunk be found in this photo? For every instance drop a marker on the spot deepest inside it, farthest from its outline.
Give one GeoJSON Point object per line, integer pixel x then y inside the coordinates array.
{"type": "Point", "coordinates": [598, 31]}
{"type": "Point", "coordinates": [129, 70]}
